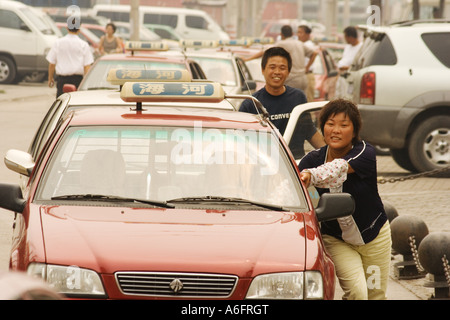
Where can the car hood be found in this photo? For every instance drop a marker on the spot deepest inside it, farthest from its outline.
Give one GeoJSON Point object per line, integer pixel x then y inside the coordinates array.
{"type": "Point", "coordinates": [110, 239]}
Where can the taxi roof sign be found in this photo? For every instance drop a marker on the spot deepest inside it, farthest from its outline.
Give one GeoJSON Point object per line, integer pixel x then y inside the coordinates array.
{"type": "Point", "coordinates": [121, 76]}
{"type": "Point", "coordinates": [264, 40]}
{"type": "Point", "coordinates": [172, 92]}
{"type": "Point", "coordinates": [236, 42]}
{"type": "Point", "coordinates": [199, 43]}
{"type": "Point", "coordinates": [146, 46]}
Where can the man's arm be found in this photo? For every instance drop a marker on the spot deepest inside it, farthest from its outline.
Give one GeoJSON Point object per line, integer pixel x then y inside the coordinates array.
{"type": "Point", "coordinates": [317, 140]}
{"type": "Point", "coordinates": [51, 73]}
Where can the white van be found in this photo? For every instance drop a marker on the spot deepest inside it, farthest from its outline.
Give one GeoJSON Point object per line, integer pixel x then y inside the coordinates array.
{"type": "Point", "coordinates": [189, 23]}
{"type": "Point", "coordinates": [26, 37]}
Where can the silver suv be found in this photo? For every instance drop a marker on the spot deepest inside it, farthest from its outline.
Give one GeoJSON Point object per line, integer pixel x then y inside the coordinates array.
{"type": "Point", "coordinates": [400, 80]}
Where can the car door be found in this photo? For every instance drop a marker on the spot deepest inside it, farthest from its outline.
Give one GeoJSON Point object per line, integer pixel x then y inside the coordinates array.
{"type": "Point", "coordinates": [291, 135]}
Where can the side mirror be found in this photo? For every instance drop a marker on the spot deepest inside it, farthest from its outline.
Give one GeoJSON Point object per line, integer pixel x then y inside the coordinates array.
{"type": "Point", "coordinates": [20, 162]}
{"type": "Point", "coordinates": [335, 205]}
{"type": "Point", "coordinates": [69, 88]}
{"type": "Point", "coordinates": [11, 198]}
{"type": "Point", "coordinates": [24, 27]}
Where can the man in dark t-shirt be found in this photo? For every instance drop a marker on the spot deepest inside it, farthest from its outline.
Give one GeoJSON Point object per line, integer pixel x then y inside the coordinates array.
{"type": "Point", "coordinates": [279, 99]}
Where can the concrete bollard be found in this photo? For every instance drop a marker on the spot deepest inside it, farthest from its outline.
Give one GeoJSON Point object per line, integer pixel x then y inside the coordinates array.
{"type": "Point", "coordinates": [434, 256]}
{"type": "Point", "coordinates": [407, 232]}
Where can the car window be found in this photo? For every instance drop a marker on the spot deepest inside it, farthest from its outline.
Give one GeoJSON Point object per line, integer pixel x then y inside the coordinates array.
{"type": "Point", "coordinates": [97, 76]}
{"type": "Point", "coordinates": [218, 70]}
{"type": "Point", "coordinates": [164, 163]}
{"type": "Point", "coordinates": [46, 127]}
{"type": "Point", "coordinates": [115, 16]}
{"type": "Point", "coordinates": [377, 49]}
{"type": "Point", "coordinates": [244, 72]}
{"type": "Point", "coordinates": [164, 19]}
{"type": "Point", "coordinates": [439, 45]}
{"type": "Point", "coordinates": [9, 19]}
{"type": "Point", "coordinates": [196, 22]}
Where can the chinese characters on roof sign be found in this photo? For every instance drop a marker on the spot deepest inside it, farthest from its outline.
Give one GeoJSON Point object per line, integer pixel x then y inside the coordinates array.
{"type": "Point", "coordinates": [120, 76]}
{"type": "Point", "coordinates": [179, 91]}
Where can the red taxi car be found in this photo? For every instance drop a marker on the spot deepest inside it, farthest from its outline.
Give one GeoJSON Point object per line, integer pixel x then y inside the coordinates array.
{"type": "Point", "coordinates": [157, 202]}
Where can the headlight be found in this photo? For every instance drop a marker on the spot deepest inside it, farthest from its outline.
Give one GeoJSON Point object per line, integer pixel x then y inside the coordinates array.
{"type": "Point", "coordinates": [71, 281]}
{"type": "Point", "coordinates": [292, 285]}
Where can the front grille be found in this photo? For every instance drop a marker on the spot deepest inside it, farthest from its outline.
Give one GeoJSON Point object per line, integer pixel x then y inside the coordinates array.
{"type": "Point", "coordinates": [181, 285]}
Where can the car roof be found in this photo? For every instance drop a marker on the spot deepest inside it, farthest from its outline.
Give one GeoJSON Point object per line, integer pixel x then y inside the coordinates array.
{"type": "Point", "coordinates": [211, 53]}
{"type": "Point", "coordinates": [93, 98]}
{"type": "Point", "coordinates": [166, 116]}
{"type": "Point", "coordinates": [408, 26]}
{"type": "Point", "coordinates": [141, 56]}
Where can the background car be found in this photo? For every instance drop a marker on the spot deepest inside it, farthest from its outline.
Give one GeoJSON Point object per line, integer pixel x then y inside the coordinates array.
{"type": "Point", "coordinates": [399, 81]}
{"type": "Point", "coordinates": [138, 56]}
{"type": "Point", "coordinates": [164, 31]}
{"type": "Point", "coordinates": [222, 66]}
{"type": "Point", "coordinates": [160, 203]}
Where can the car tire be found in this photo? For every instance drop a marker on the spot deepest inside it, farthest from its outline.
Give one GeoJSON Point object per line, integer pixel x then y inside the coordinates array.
{"type": "Point", "coordinates": [7, 70]}
{"type": "Point", "coordinates": [429, 145]}
{"type": "Point", "coordinates": [401, 157]}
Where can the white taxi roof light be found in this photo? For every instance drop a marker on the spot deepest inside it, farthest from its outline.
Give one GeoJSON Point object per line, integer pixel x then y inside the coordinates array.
{"type": "Point", "coordinates": [121, 76]}
{"type": "Point", "coordinates": [146, 46]}
{"type": "Point", "coordinates": [199, 43]}
{"type": "Point", "coordinates": [244, 42]}
{"type": "Point", "coordinates": [172, 92]}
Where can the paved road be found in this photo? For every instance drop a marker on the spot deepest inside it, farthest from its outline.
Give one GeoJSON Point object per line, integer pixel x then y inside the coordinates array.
{"type": "Point", "coordinates": [428, 198]}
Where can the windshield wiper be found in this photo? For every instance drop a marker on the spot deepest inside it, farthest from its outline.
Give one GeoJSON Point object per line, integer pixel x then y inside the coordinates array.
{"type": "Point", "coordinates": [227, 200]}
{"type": "Point", "coordinates": [100, 197]}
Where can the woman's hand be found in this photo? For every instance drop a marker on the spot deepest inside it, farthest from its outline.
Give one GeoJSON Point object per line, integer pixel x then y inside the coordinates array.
{"type": "Point", "coordinates": [305, 176]}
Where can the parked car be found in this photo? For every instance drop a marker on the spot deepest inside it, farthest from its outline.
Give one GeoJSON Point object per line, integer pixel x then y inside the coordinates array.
{"type": "Point", "coordinates": [399, 80]}
{"type": "Point", "coordinates": [26, 36]}
{"type": "Point", "coordinates": [139, 56]}
{"type": "Point", "coordinates": [169, 203]}
{"type": "Point", "coordinates": [164, 31]}
{"type": "Point", "coordinates": [190, 23]}
{"type": "Point", "coordinates": [221, 65]}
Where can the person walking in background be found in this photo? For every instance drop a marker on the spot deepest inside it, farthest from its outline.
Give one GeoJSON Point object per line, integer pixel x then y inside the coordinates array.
{"type": "Point", "coordinates": [110, 43]}
{"type": "Point", "coordinates": [70, 58]}
{"type": "Point", "coordinates": [359, 245]}
{"type": "Point", "coordinates": [350, 51]}
{"type": "Point", "coordinates": [304, 35]}
{"type": "Point", "coordinates": [280, 99]}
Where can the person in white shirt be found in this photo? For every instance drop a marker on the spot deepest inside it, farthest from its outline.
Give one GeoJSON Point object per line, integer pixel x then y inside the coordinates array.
{"type": "Point", "coordinates": [304, 35]}
{"type": "Point", "coordinates": [70, 58]}
{"type": "Point", "coordinates": [351, 49]}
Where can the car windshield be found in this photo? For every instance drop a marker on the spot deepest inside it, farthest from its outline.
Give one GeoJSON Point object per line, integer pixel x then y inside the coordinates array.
{"type": "Point", "coordinates": [218, 70]}
{"type": "Point", "coordinates": [164, 163]}
{"type": "Point", "coordinates": [97, 76]}
{"type": "Point", "coordinates": [38, 21]}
